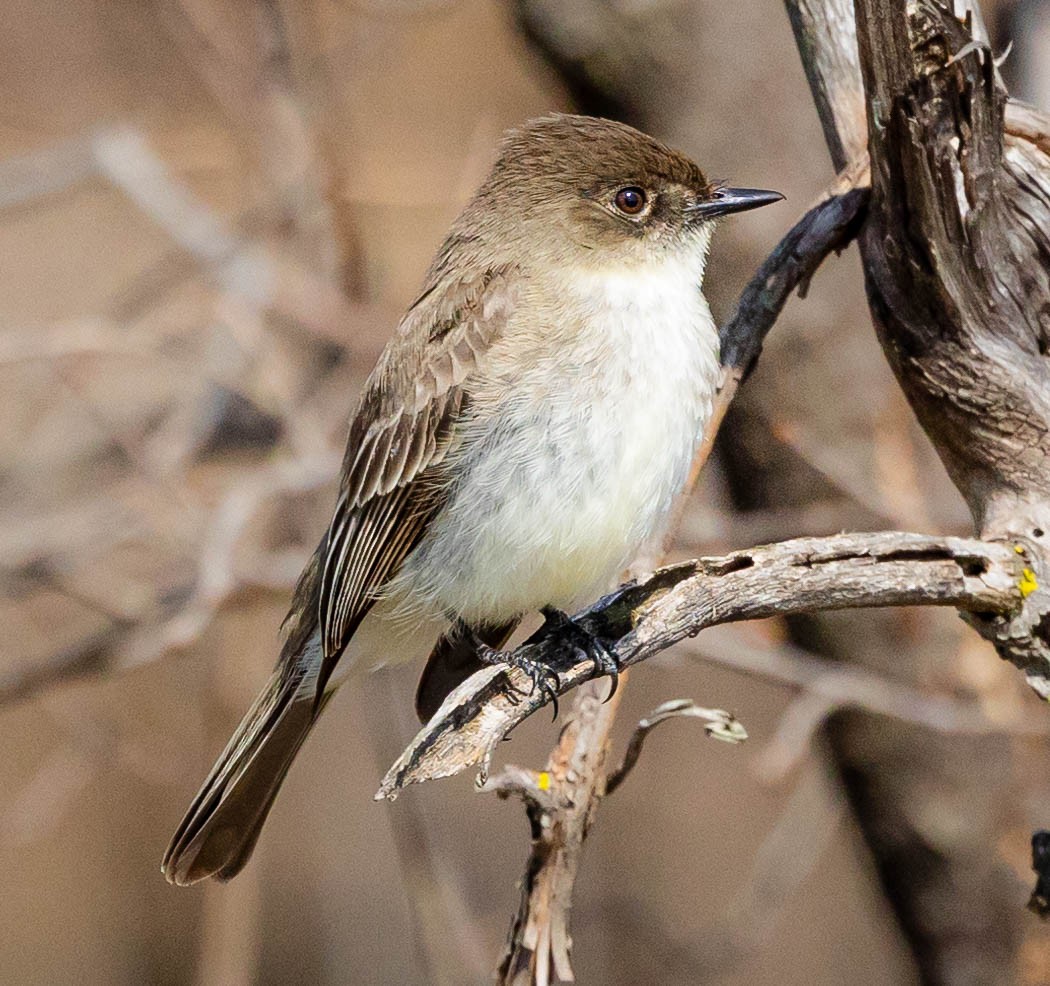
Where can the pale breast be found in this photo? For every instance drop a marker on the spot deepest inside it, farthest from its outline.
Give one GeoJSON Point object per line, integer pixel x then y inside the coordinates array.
{"type": "Point", "coordinates": [580, 461]}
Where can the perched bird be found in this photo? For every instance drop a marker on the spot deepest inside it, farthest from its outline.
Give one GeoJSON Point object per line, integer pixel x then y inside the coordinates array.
{"type": "Point", "coordinates": [523, 433]}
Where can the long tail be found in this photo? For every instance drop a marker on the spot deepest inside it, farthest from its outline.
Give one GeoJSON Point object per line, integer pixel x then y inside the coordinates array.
{"type": "Point", "coordinates": [222, 825]}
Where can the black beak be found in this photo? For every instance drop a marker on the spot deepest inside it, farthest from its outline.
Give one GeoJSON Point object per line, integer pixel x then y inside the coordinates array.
{"type": "Point", "coordinates": [727, 200]}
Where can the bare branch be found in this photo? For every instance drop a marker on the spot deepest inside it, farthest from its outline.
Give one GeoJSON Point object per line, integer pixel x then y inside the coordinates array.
{"type": "Point", "coordinates": [827, 43]}
{"type": "Point", "coordinates": [539, 942]}
{"type": "Point", "coordinates": [532, 786]}
{"type": "Point", "coordinates": [958, 300]}
{"type": "Point", "coordinates": [954, 254]}
{"type": "Point", "coordinates": [561, 801]}
{"type": "Point", "coordinates": [954, 250]}
{"type": "Point", "coordinates": [642, 619]}
{"type": "Point", "coordinates": [826, 228]}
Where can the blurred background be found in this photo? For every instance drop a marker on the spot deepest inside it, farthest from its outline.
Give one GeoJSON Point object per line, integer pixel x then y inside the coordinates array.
{"type": "Point", "coordinates": [211, 217]}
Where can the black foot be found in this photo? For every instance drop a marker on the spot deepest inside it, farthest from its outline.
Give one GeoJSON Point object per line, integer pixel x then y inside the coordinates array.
{"type": "Point", "coordinates": [586, 643]}
{"type": "Point", "coordinates": [541, 676]}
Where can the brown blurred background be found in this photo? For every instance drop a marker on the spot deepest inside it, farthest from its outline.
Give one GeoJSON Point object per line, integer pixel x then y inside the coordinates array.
{"type": "Point", "coordinates": [211, 215]}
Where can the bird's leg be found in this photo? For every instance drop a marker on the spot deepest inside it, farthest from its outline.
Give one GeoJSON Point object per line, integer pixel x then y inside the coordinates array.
{"type": "Point", "coordinates": [541, 676]}
{"type": "Point", "coordinates": [586, 643]}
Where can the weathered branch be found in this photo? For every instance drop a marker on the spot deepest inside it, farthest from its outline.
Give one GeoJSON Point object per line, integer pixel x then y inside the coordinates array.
{"type": "Point", "coordinates": [561, 801]}
{"type": "Point", "coordinates": [959, 186]}
{"type": "Point", "coordinates": [642, 619]}
{"type": "Point", "coordinates": [539, 941]}
{"type": "Point", "coordinates": [955, 251]}
{"type": "Point", "coordinates": [827, 43]}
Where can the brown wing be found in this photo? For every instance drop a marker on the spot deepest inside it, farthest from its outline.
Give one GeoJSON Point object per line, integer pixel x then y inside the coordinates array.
{"type": "Point", "coordinates": [404, 425]}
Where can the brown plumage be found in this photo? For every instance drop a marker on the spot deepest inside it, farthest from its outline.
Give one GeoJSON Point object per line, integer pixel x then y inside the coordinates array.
{"type": "Point", "coordinates": [403, 427]}
{"type": "Point", "coordinates": [526, 426]}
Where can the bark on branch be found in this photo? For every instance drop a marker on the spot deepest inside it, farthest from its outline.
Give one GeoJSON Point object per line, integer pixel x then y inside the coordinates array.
{"type": "Point", "coordinates": [955, 249]}
{"type": "Point", "coordinates": [639, 620]}
{"type": "Point", "coordinates": [954, 253]}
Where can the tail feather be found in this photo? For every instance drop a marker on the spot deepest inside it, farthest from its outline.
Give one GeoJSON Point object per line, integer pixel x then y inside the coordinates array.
{"type": "Point", "coordinates": [222, 825]}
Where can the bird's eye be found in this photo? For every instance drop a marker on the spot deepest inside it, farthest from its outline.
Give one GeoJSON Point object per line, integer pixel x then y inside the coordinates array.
{"type": "Point", "coordinates": [630, 201]}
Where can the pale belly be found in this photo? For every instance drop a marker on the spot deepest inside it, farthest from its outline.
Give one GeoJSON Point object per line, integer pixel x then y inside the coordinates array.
{"type": "Point", "coordinates": [557, 493]}
{"type": "Point", "coordinates": [570, 520]}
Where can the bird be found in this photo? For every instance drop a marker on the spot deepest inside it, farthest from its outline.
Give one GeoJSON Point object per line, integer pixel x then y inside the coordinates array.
{"type": "Point", "coordinates": [523, 433]}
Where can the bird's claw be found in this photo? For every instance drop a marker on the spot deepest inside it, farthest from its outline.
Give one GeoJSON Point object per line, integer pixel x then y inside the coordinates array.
{"type": "Point", "coordinates": [587, 644]}
{"type": "Point", "coordinates": [540, 675]}
{"type": "Point", "coordinates": [546, 678]}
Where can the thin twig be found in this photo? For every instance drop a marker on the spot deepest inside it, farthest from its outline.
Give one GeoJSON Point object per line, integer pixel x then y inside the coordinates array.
{"type": "Point", "coordinates": [720, 725]}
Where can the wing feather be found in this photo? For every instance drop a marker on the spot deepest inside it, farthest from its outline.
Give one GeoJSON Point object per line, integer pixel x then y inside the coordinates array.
{"type": "Point", "coordinates": [404, 426]}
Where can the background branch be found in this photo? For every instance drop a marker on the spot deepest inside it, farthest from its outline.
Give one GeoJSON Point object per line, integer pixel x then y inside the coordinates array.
{"type": "Point", "coordinates": [955, 264]}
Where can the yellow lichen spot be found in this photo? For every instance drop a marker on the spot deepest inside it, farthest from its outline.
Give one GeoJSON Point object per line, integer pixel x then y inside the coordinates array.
{"type": "Point", "coordinates": [1028, 583]}
{"type": "Point", "coordinates": [1019, 548]}
{"type": "Point", "coordinates": [543, 782]}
